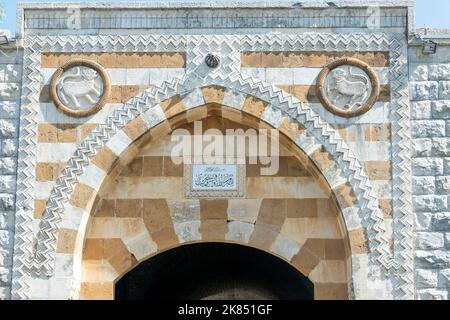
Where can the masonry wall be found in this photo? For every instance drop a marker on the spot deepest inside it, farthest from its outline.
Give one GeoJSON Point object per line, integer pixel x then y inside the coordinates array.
{"type": "Point", "coordinates": [430, 96]}
{"type": "Point", "coordinates": [10, 78]}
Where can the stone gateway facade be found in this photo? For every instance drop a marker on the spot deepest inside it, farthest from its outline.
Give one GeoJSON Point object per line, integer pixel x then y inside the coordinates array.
{"type": "Point", "coordinates": [357, 99]}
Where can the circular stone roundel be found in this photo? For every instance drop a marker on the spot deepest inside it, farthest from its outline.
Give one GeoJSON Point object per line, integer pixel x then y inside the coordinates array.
{"type": "Point", "coordinates": [348, 87]}
{"type": "Point", "coordinates": [80, 88]}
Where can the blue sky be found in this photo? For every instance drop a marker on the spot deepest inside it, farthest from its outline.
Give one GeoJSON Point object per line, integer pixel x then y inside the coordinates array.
{"type": "Point", "coordinates": [430, 13]}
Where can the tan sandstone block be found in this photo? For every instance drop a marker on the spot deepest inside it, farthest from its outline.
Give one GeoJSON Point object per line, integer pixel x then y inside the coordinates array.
{"type": "Point", "coordinates": [104, 228]}
{"type": "Point", "coordinates": [213, 209]}
{"type": "Point", "coordinates": [301, 208]}
{"type": "Point", "coordinates": [39, 208]}
{"type": "Point", "coordinates": [85, 130]}
{"type": "Point", "coordinates": [213, 230]}
{"type": "Point", "coordinates": [263, 237]}
{"type": "Point", "coordinates": [323, 159]}
{"type": "Point", "coordinates": [153, 166]}
{"type": "Point", "coordinates": [345, 195]}
{"type": "Point", "coordinates": [170, 169]}
{"type": "Point", "coordinates": [135, 128]}
{"type": "Point", "coordinates": [379, 170]}
{"type": "Point", "coordinates": [254, 106]}
{"type": "Point", "coordinates": [106, 208]}
{"type": "Point", "coordinates": [292, 130]}
{"type": "Point", "coordinates": [48, 171]}
{"type": "Point", "coordinates": [66, 241]}
{"type": "Point", "coordinates": [156, 214]}
{"type": "Point", "coordinates": [47, 133]}
{"type": "Point", "coordinates": [213, 94]}
{"type": "Point", "coordinates": [128, 208]}
{"type": "Point", "coordinates": [386, 208]}
{"type": "Point", "coordinates": [272, 213]}
{"type": "Point", "coordinates": [172, 106]}
{"type": "Point", "coordinates": [83, 196]}
{"type": "Point", "coordinates": [117, 254]}
{"type": "Point", "coordinates": [358, 241]}
{"type": "Point", "coordinates": [105, 159]}
{"type": "Point", "coordinates": [305, 260]}
{"type": "Point", "coordinates": [330, 291]}
{"type": "Point", "coordinates": [329, 271]}
{"type": "Point", "coordinates": [327, 208]}
{"type": "Point", "coordinates": [334, 249]}
{"type": "Point", "coordinates": [251, 59]}
{"type": "Point", "coordinates": [97, 291]}
{"type": "Point", "coordinates": [377, 132]}
{"type": "Point", "coordinates": [93, 249]}
{"type": "Point", "coordinates": [134, 168]}
{"type": "Point", "coordinates": [165, 238]}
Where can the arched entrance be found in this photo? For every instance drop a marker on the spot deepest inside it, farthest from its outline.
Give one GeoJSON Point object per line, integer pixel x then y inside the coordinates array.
{"type": "Point", "coordinates": [214, 271]}
{"type": "Point", "coordinates": [142, 212]}
{"type": "Point", "coordinates": [104, 247]}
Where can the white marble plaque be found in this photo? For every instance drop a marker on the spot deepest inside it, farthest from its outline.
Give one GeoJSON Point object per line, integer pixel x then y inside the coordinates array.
{"type": "Point", "coordinates": [214, 177]}
{"type": "Point", "coordinates": [214, 181]}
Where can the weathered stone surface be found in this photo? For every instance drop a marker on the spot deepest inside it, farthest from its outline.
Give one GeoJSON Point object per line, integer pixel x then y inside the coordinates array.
{"type": "Point", "coordinates": [446, 163]}
{"type": "Point", "coordinates": [5, 256]}
{"type": "Point", "coordinates": [432, 294]}
{"type": "Point", "coordinates": [444, 90]}
{"type": "Point", "coordinates": [430, 240]}
{"type": "Point", "coordinates": [10, 91]}
{"type": "Point", "coordinates": [426, 278]}
{"type": "Point", "coordinates": [5, 238]}
{"type": "Point", "coordinates": [8, 165]}
{"type": "Point", "coordinates": [428, 128]}
{"type": "Point", "coordinates": [5, 276]}
{"type": "Point", "coordinates": [6, 201]}
{"type": "Point", "coordinates": [6, 220]}
{"type": "Point", "coordinates": [432, 259]}
{"type": "Point", "coordinates": [8, 148]}
{"type": "Point", "coordinates": [431, 147]}
{"type": "Point", "coordinates": [424, 90]}
{"type": "Point", "coordinates": [447, 240]}
{"type": "Point", "coordinates": [444, 278]}
{"type": "Point", "coordinates": [419, 72]}
{"type": "Point", "coordinates": [443, 185]}
{"type": "Point", "coordinates": [440, 147]}
{"type": "Point", "coordinates": [7, 184]}
{"type": "Point", "coordinates": [423, 147]}
{"type": "Point", "coordinates": [424, 185]}
{"type": "Point", "coordinates": [441, 221]}
{"type": "Point", "coordinates": [8, 128]}
{"type": "Point", "coordinates": [439, 71]}
{"type": "Point", "coordinates": [421, 110]}
{"type": "Point", "coordinates": [10, 109]}
{"type": "Point", "coordinates": [428, 166]}
{"type": "Point", "coordinates": [440, 109]}
{"type": "Point", "coordinates": [5, 293]}
{"type": "Point", "coordinates": [10, 72]}
{"type": "Point", "coordinates": [423, 221]}
{"type": "Point", "coordinates": [430, 203]}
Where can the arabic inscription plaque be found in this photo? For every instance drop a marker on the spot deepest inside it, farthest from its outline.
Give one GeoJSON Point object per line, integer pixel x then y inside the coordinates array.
{"type": "Point", "coordinates": [214, 181]}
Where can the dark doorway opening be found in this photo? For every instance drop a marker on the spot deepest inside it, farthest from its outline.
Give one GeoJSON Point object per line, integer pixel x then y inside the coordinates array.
{"type": "Point", "coordinates": [214, 271]}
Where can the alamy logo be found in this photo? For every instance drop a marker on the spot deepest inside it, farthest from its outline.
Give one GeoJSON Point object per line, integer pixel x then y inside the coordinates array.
{"type": "Point", "coordinates": [235, 146]}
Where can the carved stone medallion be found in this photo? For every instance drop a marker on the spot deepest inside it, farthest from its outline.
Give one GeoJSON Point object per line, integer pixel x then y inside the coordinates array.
{"type": "Point", "coordinates": [348, 87]}
{"type": "Point", "coordinates": [80, 88]}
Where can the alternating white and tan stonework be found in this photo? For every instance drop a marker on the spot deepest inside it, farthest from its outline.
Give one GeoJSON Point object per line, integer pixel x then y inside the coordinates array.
{"type": "Point", "coordinates": [360, 205]}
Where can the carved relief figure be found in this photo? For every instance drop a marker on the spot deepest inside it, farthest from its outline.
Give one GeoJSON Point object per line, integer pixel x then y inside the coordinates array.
{"type": "Point", "coordinates": [351, 88]}
{"type": "Point", "coordinates": [81, 83]}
